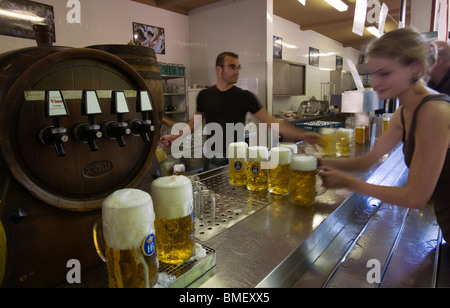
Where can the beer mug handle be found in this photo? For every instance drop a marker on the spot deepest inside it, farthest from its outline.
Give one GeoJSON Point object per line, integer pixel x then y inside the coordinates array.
{"type": "Point", "coordinates": [324, 190]}
{"type": "Point", "coordinates": [99, 240]}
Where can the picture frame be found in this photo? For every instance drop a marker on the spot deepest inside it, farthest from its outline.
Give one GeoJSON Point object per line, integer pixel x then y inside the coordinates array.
{"type": "Point", "coordinates": [19, 16]}
{"type": "Point", "coordinates": [150, 36]}
{"type": "Point", "coordinates": [277, 47]}
{"type": "Point", "coordinates": [314, 56]}
{"type": "Point", "coordinates": [339, 63]}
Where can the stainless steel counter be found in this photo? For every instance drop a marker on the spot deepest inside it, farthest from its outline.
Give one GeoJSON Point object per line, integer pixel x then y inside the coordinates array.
{"type": "Point", "coordinates": [273, 243]}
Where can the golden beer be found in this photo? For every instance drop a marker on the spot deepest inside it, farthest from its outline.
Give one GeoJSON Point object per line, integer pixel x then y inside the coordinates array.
{"type": "Point", "coordinates": [128, 234]}
{"type": "Point", "coordinates": [329, 141]}
{"type": "Point", "coordinates": [344, 142]}
{"type": "Point", "coordinates": [174, 223]}
{"type": "Point", "coordinates": [302, 180]}
{"type": "Point", "coordinates": [280, 160]}
{"type": "Point", "coordinates": [257, 168]}
{"type": "Point", "coordinates": [386, 121]}
{"type": "Point", "coordinates": [361, 134]}
{"type": "Point", "coordinates": [237, 160]}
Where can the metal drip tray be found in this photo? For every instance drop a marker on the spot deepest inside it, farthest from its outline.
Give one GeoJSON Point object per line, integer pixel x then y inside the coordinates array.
{"type": "Point", "coordinates": [234, 205]}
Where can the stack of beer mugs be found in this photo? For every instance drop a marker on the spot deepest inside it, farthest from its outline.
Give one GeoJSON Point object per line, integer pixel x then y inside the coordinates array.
{"type": "Point", "coordinates": [137, 230]}
{"type": "Point", "coordinates": [251, 167]}
{"type": "Point", "coordinates": [337, 142]}
{"type": "Point", "coordinates": [280, 170]}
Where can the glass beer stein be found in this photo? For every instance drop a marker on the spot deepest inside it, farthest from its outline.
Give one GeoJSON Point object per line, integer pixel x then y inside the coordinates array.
{"type": "Point", "coordinates": [329, 141]}
{"type": "Point", "coordinates": [174, 223]}
{"type": "Point", "coordinates": [237, 159]}
{"type": "Point", "coordinates": [302, 180]}
{"type": "Point", "coordinates": [125, 239]}
{"type": "Point", "coordinates": [280, 160]}
{"type": "Point", "coordinates": [344, 142]}
{"type": "Point", "coordinates": [257, 169]}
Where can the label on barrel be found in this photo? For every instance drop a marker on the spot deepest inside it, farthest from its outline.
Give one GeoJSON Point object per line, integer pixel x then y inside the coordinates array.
{"type": "Point", "coordinates": [149, 245]}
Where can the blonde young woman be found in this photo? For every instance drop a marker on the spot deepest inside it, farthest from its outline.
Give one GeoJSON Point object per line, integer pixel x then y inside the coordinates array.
{"type": "Point", "coordinates": [397, 62]}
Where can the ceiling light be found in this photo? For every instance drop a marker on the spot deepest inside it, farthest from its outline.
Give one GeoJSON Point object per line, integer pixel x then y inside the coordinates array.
{"type": "Point", "coordinates": [21, 15]}
{"type": "Point", "coordinates": [302, 2]}
{"type": "Point", "coordinates": [338, 5]}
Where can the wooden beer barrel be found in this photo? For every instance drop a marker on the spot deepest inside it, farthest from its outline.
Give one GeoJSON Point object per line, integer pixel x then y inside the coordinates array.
{"type": "Point", "coordinates": [48, 203]}
{"type": "Point", "coordinates": [143, 60]}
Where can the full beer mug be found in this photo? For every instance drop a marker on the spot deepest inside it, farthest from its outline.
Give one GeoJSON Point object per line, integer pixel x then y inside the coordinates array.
{"type": "Point", "coordinates": [329, 141]}
{"type": "Point", "coordinates": [302, 180]}
{"type": "Point", "coordinates": [257, 168]}
{"type": "Point", "coordinates": [361, 134]}
{"type": "Point", "coordinates": [125, 239]}
{"type": "Point", "coordinates": [237, 159]}
{"type": "Point", "coordinates": [344, 142]}
{"type": "Point", "coordinates": [280, 161]}
{"type": "Point", "coordinates": [174, 207]}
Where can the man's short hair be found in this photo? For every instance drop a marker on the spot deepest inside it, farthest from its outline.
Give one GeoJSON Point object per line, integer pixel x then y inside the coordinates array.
{"type": "Point", "coordinates": [221, 58]}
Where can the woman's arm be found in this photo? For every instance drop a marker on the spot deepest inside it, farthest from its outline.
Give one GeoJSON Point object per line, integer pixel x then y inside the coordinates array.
{"type": "Point", "coordinates": [432, 142]}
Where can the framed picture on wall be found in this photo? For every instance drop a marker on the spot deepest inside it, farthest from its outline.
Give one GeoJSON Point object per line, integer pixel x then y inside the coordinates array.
{"type": "Point", "coordinates": [150, 36]}
{"type": "Point", "coordinates": [18, 17]}
{"type": "Point", "coordinates": [339, 63]}
{"type": "Point", "coordinates": [277, 47]}
{"type": "Point", "coordinates": [313, 56]}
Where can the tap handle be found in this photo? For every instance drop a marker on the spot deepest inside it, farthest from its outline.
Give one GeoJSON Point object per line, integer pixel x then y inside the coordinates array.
{"type": "Point", "coordinates": [55, 108]}
{"type": "Point", "coordinates": [55, 105]}
{"type": "Point", "coordinates": [144, 105]}
{"type": "Point", "coordinates": [119, 104]}
{"type": "Point", "coordinates": [90, 104]}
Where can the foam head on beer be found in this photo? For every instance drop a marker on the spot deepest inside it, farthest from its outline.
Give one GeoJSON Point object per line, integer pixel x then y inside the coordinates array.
{"type": "Point", "coordinates": [280, 155]}
{"type": "Point", "coordinates": [172, 197]}
{"type": "Point", "coordinates": [237, 150]}
{"type": "Point", "coordinates": [303, 163]}
{"type": "Point", "coordinates": [258, 153]}
{"type": "Point", "coordinates": [289, 145]}
{"type": "Point", "coordinates": [129, 217]}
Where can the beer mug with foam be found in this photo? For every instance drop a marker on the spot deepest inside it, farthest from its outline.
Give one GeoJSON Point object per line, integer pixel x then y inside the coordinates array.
{"type": "Point", "coordinates": [174, 207]}
{"type": "Point", "coordinates": [280, 161]}
{"type": "Point", "coordinates": [329, 141]}
{"type": "Point", "coordinates": [237, 159]}
{"type": "Point", "coordinates": [302, 180]}
{"type": "Point", "coordinates": [125, 239]}
{"type": "Point", "coordinates": [257, 169]}
{"type": "Point", "coordinates": [289, 145]}
{"type": "Point", "coordinates": [344, 142]}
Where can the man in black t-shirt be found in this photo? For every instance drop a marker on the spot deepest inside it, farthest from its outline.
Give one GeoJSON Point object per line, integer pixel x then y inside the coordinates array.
{"type": "Point", "coordinates": [224, 103]}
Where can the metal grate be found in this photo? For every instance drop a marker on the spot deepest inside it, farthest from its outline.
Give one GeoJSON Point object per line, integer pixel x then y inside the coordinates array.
{"type": "Point", "coordinates": [234, 205]}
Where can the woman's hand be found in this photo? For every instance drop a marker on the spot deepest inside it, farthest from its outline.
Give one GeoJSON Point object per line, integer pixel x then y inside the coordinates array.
{"type": "Point", "coordinates": [333, 179]}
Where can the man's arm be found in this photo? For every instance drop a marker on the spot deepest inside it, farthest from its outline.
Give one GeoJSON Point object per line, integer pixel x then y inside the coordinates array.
{"type": "Point", "coordinates": [287, 129]}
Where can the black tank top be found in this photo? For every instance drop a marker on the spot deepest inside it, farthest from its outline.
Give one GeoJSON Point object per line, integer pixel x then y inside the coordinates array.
{"type": "Point", "coordinates": [441, 194]}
